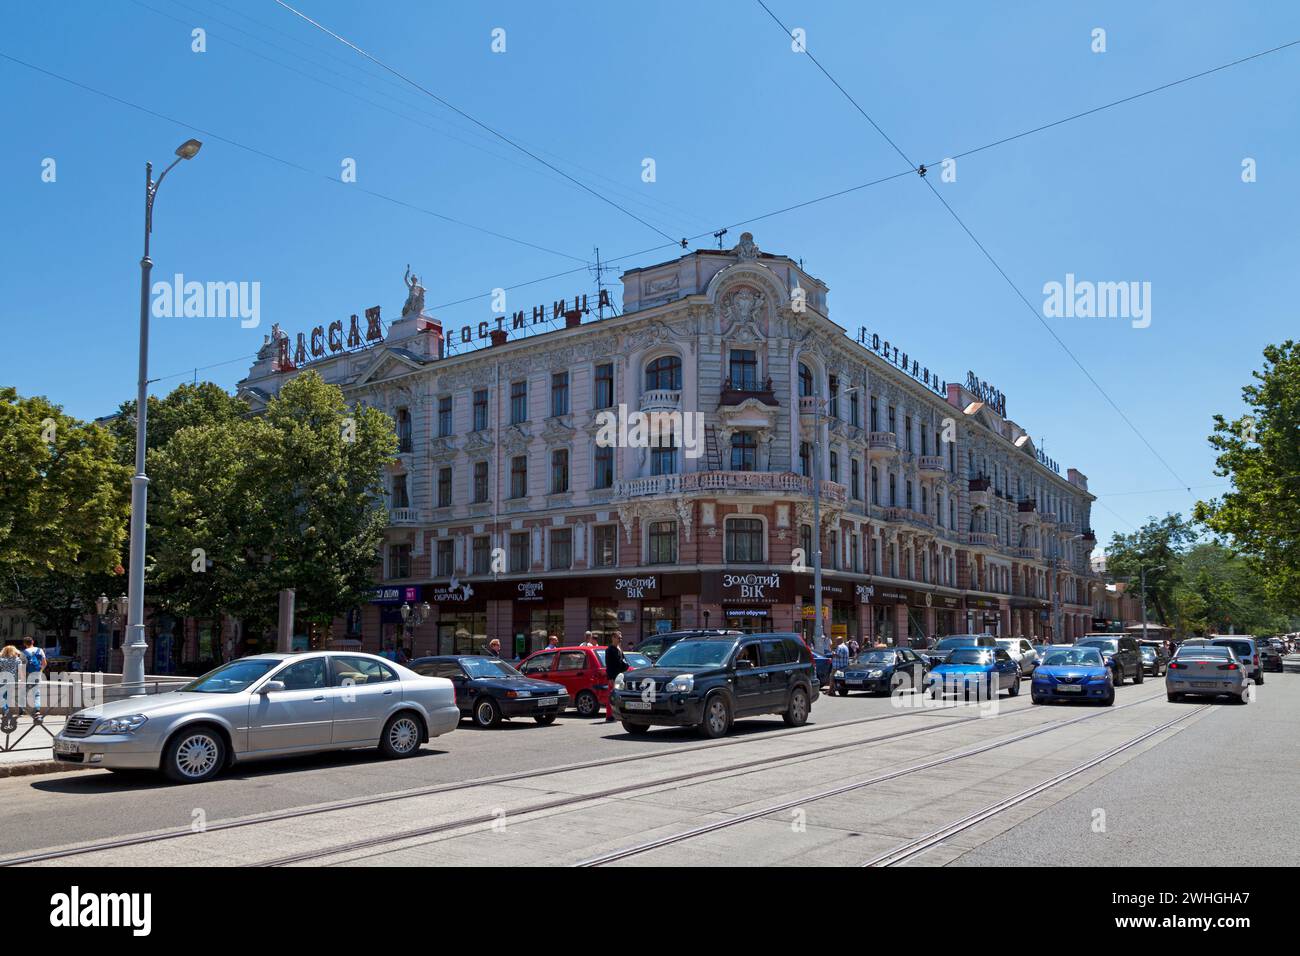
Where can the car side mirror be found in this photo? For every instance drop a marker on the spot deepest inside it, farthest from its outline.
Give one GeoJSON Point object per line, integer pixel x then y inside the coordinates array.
{"type": "Point", "coordinates": [270, 686]}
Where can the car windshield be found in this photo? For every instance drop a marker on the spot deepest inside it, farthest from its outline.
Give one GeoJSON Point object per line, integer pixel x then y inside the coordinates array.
{"type": "Point", "coordinates": [477, 667]}
{"type": "Point", "coordinates": [971, 655]}
{"type": "Point", "coordinates": [1073, 657]}
{"type": "Point", "coordinates": [1240, 647]}
{"type": "Point", "coordinates": [696, 654]}
{"type": "Point", "coordinates": [231, 678]}
{"type": "Point", "coordinates": [875, 657]}
{"type": "Point", "coordinates": [950, 642]}
{"type": "Point", "coordinates": [636, 660]}
{"type": "Point", "coordinates": [1101, 643]}
{"type": "Point", "coordinates": [1203, 651]}
{"type": "Point", "coordinates": [1148, 652]}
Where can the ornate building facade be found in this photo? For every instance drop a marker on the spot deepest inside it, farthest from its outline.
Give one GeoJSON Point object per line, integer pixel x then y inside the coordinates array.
{"type": "Point", "coordinates": [513, 518]}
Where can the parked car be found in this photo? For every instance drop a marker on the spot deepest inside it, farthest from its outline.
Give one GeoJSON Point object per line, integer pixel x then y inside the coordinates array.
{"type": "Point", "coordinates": [267, 705]}
{"type": "Point", "coordinates": [1270, 657]}
{"type": "Point", "coordinates": [1073, 673]}
{"type": "Point", "coordinates": [489, 690]}
{"type": "Point", "coordinates": [883, 671]}
{"type": "Point", "coordinates": [972, 670]}
{"type": "Point", "coordinates": [1208, 671]}
{"type": "Point", "coordinates": [1247, 654]}
{"type": "Point", "coordinates": [656, 645]}
{"type": "Point", "coordinates": [1121, 654]}
{"type": "Point", "coordinates": [1042, 649]}
{"type": "Point", "coordinates": [579, 670]}
{"type": "Point", "coordinates": [1021, 651]}
{"type": "Point", "coordinates": [709, 681]}
{"type": "Point", "coordinates": [1155, 660]}
{"type": "Point", "coordinates": [946, 645]}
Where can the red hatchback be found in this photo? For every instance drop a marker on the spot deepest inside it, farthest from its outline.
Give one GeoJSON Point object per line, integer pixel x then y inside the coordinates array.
{"type": "Point", "coordinates": [580, 669]}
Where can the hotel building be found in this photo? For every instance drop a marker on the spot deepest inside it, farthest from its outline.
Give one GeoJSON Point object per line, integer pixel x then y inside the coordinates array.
{"type": "Point", "coordinates": [513, 519]}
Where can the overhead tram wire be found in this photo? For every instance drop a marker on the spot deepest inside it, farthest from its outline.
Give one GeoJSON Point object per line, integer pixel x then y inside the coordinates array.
{"type": "Point", "coordinates": [474, 120]}
{"type": "Point", "coordinates": [287, 162]}
{"type": "Point", "coordinates": [666, 212]}
{"type": "Point", "coordinates": [1002, 272]}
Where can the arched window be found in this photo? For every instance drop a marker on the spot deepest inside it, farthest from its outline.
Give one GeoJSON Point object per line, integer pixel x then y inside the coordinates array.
{"type": "Point", "coordinates": [744, 452]}
{"type": "Point", "coordinates": [665, 372]}
{"type": "Point", "coordinates": [806, 387]}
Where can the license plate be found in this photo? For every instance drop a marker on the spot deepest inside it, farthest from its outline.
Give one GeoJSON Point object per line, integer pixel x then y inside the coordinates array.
{"type": "Point", "coordinates": [1202, 683]}
{"type": "Point", "coordinates": [547, 701]}
{"type": "Point", "coordinates": [1069, 689]}
{"type": "Point", "coordinates": [66, 747]}
{"type": "Point", "coordinates": [635, 705]}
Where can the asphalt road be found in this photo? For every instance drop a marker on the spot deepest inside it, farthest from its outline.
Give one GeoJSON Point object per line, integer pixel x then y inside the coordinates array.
{"type": "Point", "coordinates": [1158, 798]}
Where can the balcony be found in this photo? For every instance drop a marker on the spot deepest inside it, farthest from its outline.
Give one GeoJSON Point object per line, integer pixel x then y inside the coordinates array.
{"type": "Point", "coordinates": [737, 393]}
{"type": "Point", "coordinates": [1026, 506]}
{"type": "Point", "coordinates": [931, 466]}
{"type": "Point", "coordinates": [1089, 535]}
{"type": "Point", "coordinates": [1048, 518]}
{"type": "Point", "coordinates": [882, 445]}
{"type": "Point", "coordinates": [892, 513]}
{"type": "Point", "coordinates": [774, 483]}
{"type": "Point", "coordinates": [982, 539]}
{"type": "Point", "coordinates": [404, 517]}
{"type": "Point", "coordinates": [661, 400]}
{"type": "Point", "coordinates": [1027, 554]}
{"type": "Point", "coordinates": [980, 495]}
{"type": "Point", "coordinates": [808, 407]}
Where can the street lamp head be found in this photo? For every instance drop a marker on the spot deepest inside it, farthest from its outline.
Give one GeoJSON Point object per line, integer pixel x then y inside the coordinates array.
{"type": "Point", "coordinates": [188, 149]}
{"type": "Point", "coordinates": [406, 611]}
{"type": "Point", "coordinates": [101, 604]}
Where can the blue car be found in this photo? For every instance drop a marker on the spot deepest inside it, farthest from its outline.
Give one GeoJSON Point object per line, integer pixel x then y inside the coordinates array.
{"type": "Point", "coordinates": [1073, 673]}
{"type": "Point", "coordinates": [981, 672]}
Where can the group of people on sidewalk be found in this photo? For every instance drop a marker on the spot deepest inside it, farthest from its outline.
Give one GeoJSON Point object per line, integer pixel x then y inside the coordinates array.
{"type": "Point", "coordinates": [21, 672]}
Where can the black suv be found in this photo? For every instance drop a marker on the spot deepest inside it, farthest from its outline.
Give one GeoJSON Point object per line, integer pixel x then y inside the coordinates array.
{"type": "Point", "coordinates": [653, 647]}
{"type": "Point", "coordinates": [709, 680]}
{"type": "Point", "coordinates": [1120, 653]}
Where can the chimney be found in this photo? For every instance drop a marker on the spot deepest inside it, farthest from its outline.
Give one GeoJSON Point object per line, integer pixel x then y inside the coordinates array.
{"type": "Point", "coordinates": [498, 336]}
{"type": "Point", "coordinates": [572, 318]}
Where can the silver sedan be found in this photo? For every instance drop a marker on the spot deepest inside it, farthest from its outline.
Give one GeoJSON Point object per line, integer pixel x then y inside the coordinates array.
{"type": "Point", "coordinates": [268, 705]}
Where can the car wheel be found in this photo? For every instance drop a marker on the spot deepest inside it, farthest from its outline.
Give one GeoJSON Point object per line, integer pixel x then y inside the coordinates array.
{"type": "Point", "coordinates": [486, 713]}
{"type": "Point", "coordinates": [1035, 699]}
{"type": "Point", "coordinates": [717, 716]}
{"type": "Point", "coordinates": [843, 692]}
{"type": "Point", "coordinates": [401, 736]}
{"type": "Point", "coordinates": [587, 704]}
{"type": "Point", "coordinates": [1140, 676]}
{"type": "Point", "coordinates": [194, 754]}
{"type": "Point", "coordinates": [796, 714]}
{"type": "Point", "coordinates": [1109, 699]}
{"type": "Point", "coordinates": [1014, 689]}
{"type": "Point", "coordinates": [1259, 678]}
{"type": "Point", "coordinates": [632, 728]}
{"type": "Point", "coordinates": [544, 719]}
{"type": "Point", "coordinates": [1244, 698]}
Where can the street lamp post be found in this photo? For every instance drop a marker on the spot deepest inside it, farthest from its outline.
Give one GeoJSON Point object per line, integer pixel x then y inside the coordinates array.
{"type": "Point", "coordinates": [134, 649]}
{"type": "Point", "coordinates": [413, 617]}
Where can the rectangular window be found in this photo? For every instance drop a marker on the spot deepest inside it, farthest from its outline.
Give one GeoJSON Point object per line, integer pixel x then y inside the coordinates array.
{"type": "Point", "coordinates": [855, 476]}
{"type": "Point", "coordinates": [559, 471]}
{"type": "Point", "coordinates": [519, 476]}
{"type": "Point", "coordinates": [855, 410]}
{"type": "Point", "coordinates": [835, 396]}
{"type": "Point", "coordinates": [835, 466]}
{"type": "Point", "coordinates": [480, 409]}
{"type": "Point", "coordinates": [561, 552]}
{"type": "Point", "coordinates": [444, 416]}
{"type": "Point", "coordinates": [518, 402]}
{"type": "Point", "coordinates": [404, 431]}
{"type": "Point", "coordinates": [446, 553]}
{"type": "Point", "coordinates": [744, 541]}
{"type": "Point", "coordinates": [519, 558]}
{"type": "Point", "coordinates": [604, 393]}
{"type": "Point", "coordinates": [604, 474]}
{"type": "Point", "coordinates": [663, 461]}
{"type": "Point", "coordinates": [743, 370]}
{"type": "Point", "coordinates": [907, 427]}
{"type": "Point", "coordinates": [480, 481]}
{"type": "Point", "coordinates": [893, 420]}
{"type": "Point", "coordinates": [482, 555]}
{"type": "Point", "coordinates": [875, 415]}
{"type": "Point", "coordinates": [605, 546]}
{"type": "Point", "coordinates": [444, 487]}
{"type": "Point", "coordinates": [400, 498]}
{"type": "Point", "coordinates": [744, 452]}
{"type": "Point", "coordinates": [559, 394]}
{"type": "Point", "coordinates": [399, 561]}
{"type": "Point", "coordinates": [662, 542]}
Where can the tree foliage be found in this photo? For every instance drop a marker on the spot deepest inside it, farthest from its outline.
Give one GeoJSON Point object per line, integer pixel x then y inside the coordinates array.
{"type": "Point", "coordinates": [1156, 546]}
{"type": "Point", "coordinates": [1260, 452]}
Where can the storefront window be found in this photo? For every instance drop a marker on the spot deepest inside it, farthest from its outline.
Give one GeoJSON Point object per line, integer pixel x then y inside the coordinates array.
{"type": "Point", "coordinates": [462, 632]}
{"type": "Point", "coordinates": [659, 619]}
{"type": "Point", "coordinates": [603, 620]}
{"type": "Point", "coordinates": [543, 622]}
{"type": "Point", "coordinates": [751, 620]}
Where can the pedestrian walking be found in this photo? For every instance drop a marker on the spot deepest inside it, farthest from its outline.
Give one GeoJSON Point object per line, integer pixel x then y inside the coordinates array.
{"type": "Point", "coordinates": [615, 664]}
{"type": "Point", "coordinates": [552, 641]}
{"type": "Point", "coordinates": [35, 664]}
{"type": "Point", "coordinates": [11, 677]}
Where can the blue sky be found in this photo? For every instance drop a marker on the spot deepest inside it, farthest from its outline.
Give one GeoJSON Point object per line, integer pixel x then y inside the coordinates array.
{"type": "Point", "coordinates": [738, 125]}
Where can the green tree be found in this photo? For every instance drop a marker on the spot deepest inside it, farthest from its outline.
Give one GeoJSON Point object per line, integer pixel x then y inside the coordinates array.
{"type": "Point", "coordinates": [64, 499]}
{"type": "Point", "coordinates": [204, 403]}
{"type": "Point", "coordinates": [1260, 452]}
{"type": "Point", "coordinates": [1156, 545]}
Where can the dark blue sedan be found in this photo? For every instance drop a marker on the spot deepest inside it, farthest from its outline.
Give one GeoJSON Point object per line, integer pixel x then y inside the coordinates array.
{"type": "Point", "coordinates": [488, 689]}
{"type": "Point", "coordinates": [979, 673]}
{"type": "Point", "coordinates": [1073, 673]}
